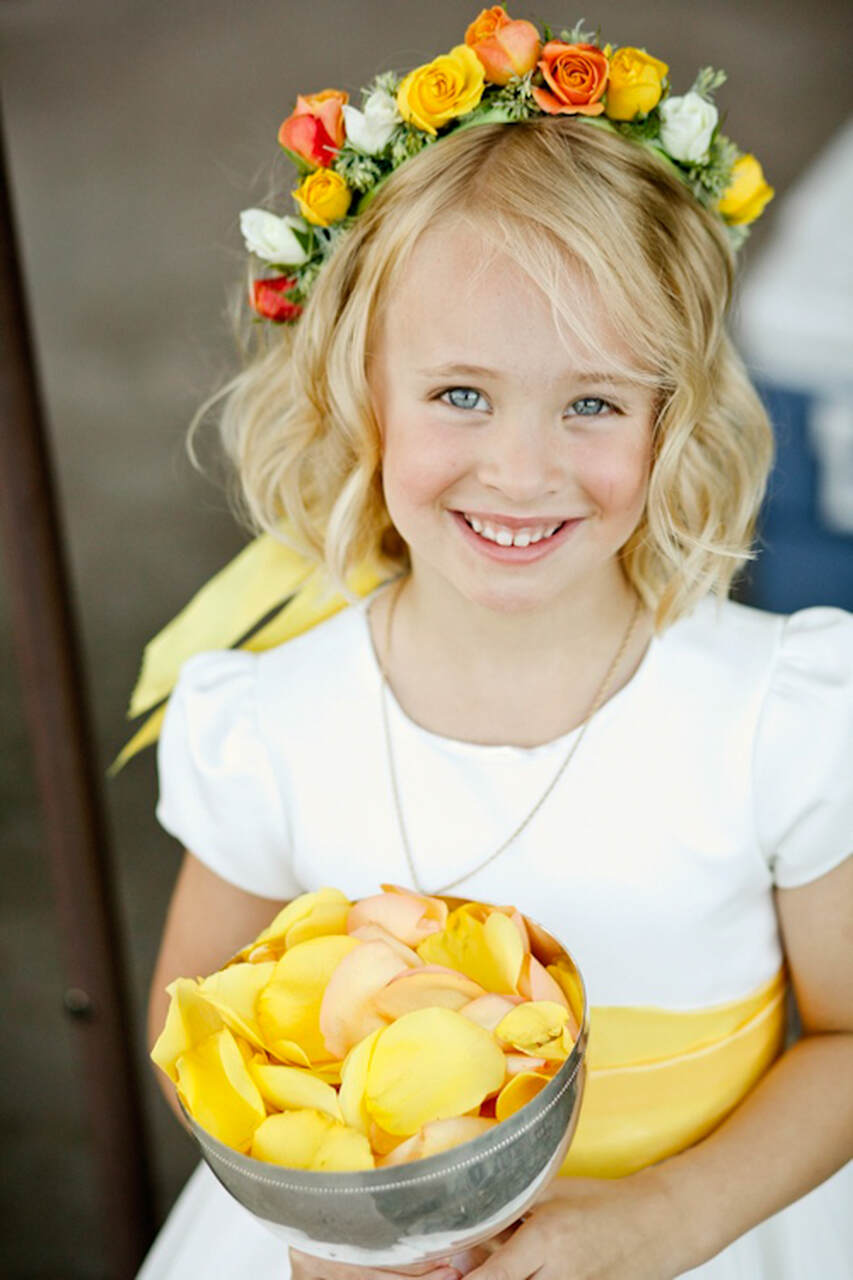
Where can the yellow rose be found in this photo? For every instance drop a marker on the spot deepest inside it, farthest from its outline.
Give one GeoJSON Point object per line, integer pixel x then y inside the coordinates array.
{"type": "Point", "coordinates": [323, 197]}
{"type": "Point", "coordinates": [747, 194]}
{"type": "Point", "coordinates": [443, 89]}
{"type": "Point", "coordinates": [636, 84]}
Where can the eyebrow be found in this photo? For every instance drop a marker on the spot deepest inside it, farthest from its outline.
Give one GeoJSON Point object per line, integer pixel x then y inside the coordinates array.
{"type": "Point", "coordinates": [479, 370]}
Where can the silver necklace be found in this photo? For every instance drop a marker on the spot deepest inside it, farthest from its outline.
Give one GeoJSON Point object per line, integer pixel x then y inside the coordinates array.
{"type": "Point", "coordinates": [600, 696]}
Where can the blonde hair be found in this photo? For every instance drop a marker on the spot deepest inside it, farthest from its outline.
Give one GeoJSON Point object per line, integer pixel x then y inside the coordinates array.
{"type": "Point", "coordinates": [298, 423]}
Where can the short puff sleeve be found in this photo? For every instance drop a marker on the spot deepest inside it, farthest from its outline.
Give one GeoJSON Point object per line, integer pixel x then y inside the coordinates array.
{"type": "Point", "coordinates": [803, 767]}
{"type": "Point", "coordinates": [219, 794]}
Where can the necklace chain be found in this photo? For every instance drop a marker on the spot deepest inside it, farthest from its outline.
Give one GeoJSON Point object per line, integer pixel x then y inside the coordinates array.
{"type": "Point", "coordinates": [599, 698]}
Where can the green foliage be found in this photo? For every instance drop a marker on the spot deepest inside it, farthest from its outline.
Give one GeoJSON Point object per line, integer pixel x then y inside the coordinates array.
{"type": "Point", "coordinates": [707, 82]}
{"type": "Point", "coordinates": [643, 128]}
{"type": "Point", "coordinates": [515, 98]}
{"type": "Point", "coordinates": [709, 179]}
{"type": "Point", "coordinates": [359, 171]}
{"type": "Point", "coordinates": [579, 34]}
{"type": "Point", "coordinates": [407, 141]}
{"type": "Point", "coordinates": [386, 82]}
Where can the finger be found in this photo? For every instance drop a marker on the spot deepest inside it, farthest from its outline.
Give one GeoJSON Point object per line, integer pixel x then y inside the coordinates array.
{"type": "Point", "coordinates": [306, 1267]}
{"type": "Point", "coordinates": [519, 1259]}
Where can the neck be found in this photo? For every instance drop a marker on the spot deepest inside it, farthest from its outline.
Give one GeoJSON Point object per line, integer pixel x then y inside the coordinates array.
{"type": "Point", "coordinates": [571, 630]}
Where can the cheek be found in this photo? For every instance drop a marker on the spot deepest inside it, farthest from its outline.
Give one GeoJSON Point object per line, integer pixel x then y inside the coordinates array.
{"type": "Point", "coordinates": [615, 474]}
{"type": "Point", "coordinates": [418, 466]}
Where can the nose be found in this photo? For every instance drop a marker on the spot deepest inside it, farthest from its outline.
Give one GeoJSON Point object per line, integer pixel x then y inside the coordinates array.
{"type": "Point", "coordinates": [520, 458]}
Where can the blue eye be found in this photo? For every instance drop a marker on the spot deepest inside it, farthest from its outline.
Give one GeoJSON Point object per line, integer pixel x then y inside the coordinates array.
{"type": "Point", "coordinates": [590, 406]}
{"type": "Point", "coordinates": [468, 397]}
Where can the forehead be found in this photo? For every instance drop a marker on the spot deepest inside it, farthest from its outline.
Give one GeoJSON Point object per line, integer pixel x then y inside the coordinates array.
{"type": "Point", "coordinates": [461, 298]}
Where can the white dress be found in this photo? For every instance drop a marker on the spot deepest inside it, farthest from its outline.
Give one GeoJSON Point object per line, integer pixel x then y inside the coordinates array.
{"type": "Point", "coordinates": [721, 769]}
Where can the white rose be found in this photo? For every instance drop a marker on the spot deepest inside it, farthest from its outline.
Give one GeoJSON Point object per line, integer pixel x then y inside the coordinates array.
{"type": "Point", "coordinates": [369, 130]}
{"type": "Point", "coordinates": [687, 125]}
{"type": "Point", "coordinates": [272, 238]}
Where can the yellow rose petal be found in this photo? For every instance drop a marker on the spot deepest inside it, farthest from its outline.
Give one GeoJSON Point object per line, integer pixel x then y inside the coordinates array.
{"type": "Point", "coordinates": [190, 1019]}
{"type": "Point", "coordinates": [288, 1008]}
{"type": "Point", "coordinates": [518, 1091]}
{"type": "Point", "coordinates": [310, 1140]}
{"type": "Point", "coordinates": [301, 908]}
{"type": "Point", "coordinates": [234, 992]}
{"type": "Point", "coordinates": [430, 1065]}
{"type": "Point", "coordinates": [219, 1092]}
{"type": "Point", "coordinates": [292, 1088]}
{"type": "Point", "coordinates": [536, 1027]}
{"type": "Point", "coordinates": [354, 1084]}
{"type": "Point", "coordinates": [343, 1150]}
{"type": "Point", "coordinates": [489, 953]}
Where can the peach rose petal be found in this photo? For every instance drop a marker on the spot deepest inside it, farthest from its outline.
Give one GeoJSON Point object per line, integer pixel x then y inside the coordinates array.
{"type": "Point", "coordinates": [354, 1083]}
{"type": "Point", "coordinates": [293, 1088]}
{"type": "Point", "coordinates": [539, 1028]}
{"type": "Point", "coordinates": [490, 953]}
{"type": "Point", "coordinates": [518, 1091]}
{"type": "Point", "coordinates": [382, 1143]}
{"type": "Point", "coordinates": [487, 1011]}
{"type": "Point", "coordinates": [518, 1063]}
{"type": "Point", "coordinates": [189, 1020]}
{"type": "Point", "coordinates": [545, 948]}
{"type": "Point", "coordinates": [219, 1092]}
{"type": "Point", "coordinates": [347, 1010]}
{"type": "Point", "coordinates": [438, 1136]}
{"type": "Point", "coordinates": [536, 983]}
{"type": "Point", "coordinates": [429, 986]}
{"type": "Point", "coordinates": [410, 917]}
{"type": "Point", "coordinates": [288, 1008]}
{"type": "Point", "coordinates": [430, 1065]}
{"type": "Point", "coordinates": [310, 1140]}
{"type": "Point", "coordinates": [234, 992]}
{"type": "Point", "coordinates": [375, 933]}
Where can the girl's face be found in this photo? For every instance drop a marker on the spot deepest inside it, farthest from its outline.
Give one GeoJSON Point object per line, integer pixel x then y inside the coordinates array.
{"type": "Point", "coordinates": [513, 467]}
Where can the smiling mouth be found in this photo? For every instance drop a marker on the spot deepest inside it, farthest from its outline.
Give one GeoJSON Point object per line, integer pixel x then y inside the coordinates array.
{"type": "Point", "coordinates": [504, 536]}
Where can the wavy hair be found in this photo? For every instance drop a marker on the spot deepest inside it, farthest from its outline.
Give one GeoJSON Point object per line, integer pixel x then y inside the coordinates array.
{"type": "Point", "coordinates": [298, 422]}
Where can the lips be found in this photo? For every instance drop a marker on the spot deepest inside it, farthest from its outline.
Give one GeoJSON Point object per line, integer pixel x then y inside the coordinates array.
{"type": "Point", "coordinates": [513, 540]}
{"type": "Point", "coordinates": [512, 535]}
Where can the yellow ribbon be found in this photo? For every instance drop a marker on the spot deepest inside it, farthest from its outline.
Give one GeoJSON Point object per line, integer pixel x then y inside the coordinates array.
{"type": "Point", "coordinates": [659, 1081]}
{"type": "Point", "coordinates": [266, 576]}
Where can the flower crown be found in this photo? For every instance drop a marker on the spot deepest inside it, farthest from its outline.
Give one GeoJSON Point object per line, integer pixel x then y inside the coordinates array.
{"type": "Point", "coordinates": [504, 72]}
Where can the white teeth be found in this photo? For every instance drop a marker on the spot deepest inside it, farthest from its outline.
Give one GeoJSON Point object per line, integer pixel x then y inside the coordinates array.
{"type": "Point", "coordinates": [508, 537]}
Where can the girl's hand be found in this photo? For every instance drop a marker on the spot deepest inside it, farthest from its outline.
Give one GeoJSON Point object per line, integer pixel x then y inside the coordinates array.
{"type": "Point", "coordinates": [589, 1229]}
{"type": "Point", "coordinates": [304, 1267]}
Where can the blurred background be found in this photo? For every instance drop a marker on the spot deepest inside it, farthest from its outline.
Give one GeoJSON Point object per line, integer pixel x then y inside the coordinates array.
{"type": "Point", "coordinates": [136, 130]}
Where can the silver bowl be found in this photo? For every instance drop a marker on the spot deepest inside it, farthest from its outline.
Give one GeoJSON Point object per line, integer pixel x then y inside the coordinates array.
{"type": "Point", "coordinates": [427, 1209]}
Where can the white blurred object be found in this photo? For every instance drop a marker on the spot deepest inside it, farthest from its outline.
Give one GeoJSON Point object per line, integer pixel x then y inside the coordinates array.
{"type": "Point", "coordinates": [794, 322]}
{"type": "Point", "coordinates": [831, 432]}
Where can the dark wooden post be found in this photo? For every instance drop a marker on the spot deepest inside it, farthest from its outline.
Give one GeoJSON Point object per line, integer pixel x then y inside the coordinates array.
{"type": "Point", "coordinates": [51, 679]}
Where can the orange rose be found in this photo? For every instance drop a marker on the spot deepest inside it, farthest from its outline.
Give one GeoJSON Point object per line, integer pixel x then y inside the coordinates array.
{"type": "Point", "coordinates": [487, 22]}
{"type": "Point", "coordinates": [315, 129]}
{"type": "Point", "coordinates": [270, 300]}
{"type": "Point", "coordinates": [577, 74]}
{"type": "Point", "coordinates": [506, 47]}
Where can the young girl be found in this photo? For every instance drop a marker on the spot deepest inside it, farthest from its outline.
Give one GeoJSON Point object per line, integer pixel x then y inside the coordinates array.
{"type": "Point", "coordinates": [512, 391]}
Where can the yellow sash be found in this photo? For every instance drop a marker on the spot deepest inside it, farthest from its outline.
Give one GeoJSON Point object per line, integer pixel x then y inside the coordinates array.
{"type": "Point", "coordinates": [658, 1081]}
